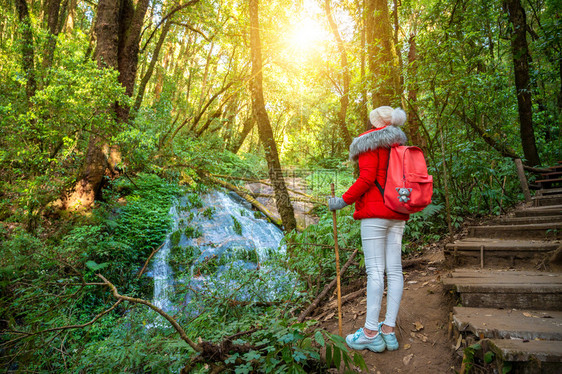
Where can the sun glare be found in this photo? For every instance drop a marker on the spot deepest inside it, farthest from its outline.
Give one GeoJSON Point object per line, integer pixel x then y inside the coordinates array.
{"type": "Point", "coordinates": [306, 34]}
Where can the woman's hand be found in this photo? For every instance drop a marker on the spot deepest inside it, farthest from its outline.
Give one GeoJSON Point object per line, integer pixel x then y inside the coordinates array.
{"type": "Point", "coordinates": [336, 203]}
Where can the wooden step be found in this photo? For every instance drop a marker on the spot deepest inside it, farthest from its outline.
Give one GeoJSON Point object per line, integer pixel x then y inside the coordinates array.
{"type": "Point", "coordinates": [498, 248]}
{"type": "Point", "coordinates": [539, 211]}
{"type": "Point", "coordinates": [527, 220]}
{"type": "Point", "coordinates": [549, 191]}
{"type": "Point", "coordinates": [507, 289]}
{"type": "Point", "coordinates": [547, 200]}
{"type": "Point", "coordinates": [509, 323]}
{"type": "Point", "coordinates": [551, 230]}
{"type": "Point", "coordinates": [546, 183]}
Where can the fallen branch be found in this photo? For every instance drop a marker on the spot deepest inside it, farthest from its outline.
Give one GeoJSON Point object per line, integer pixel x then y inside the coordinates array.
{"type": "Point", "coordinates": [168, 318]}
{"type": "Point", "coordinates": [326, 289]}
{"type": "Point", "coordinates": [263, 182]}
{"type": "Point", "coordinates": [329, 307]}
{"type": "Point", "coordinates": [27, 334]}
{"type": "Point", "coordinates": [148, 260]}
{"type": "Point", "coordinates": [310, 199]}
{"type": "Point", "coordinates": [413, 262]}
{"type": "Point", "coordinates": [248, 198]}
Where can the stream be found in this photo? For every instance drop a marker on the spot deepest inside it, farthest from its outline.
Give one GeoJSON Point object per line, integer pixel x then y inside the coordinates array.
{"type": "Point", "coordinates": [213, 237]}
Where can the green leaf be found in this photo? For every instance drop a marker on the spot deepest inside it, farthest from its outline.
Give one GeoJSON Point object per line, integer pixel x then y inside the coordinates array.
{"type": "Point", "coordinates": [92, 265]}
{"type": "Point", "coordinates": [337, 357]}
{"type": "Point", "coordinates": [319, 338]}
{"type": "Point", "coordinates": [476, 346]}
{"type": "Point", "coordinates": [506, 368]}
{"type": "Point", "coordinates": [329, 355]}
{"type": "Point", "coordinates": [359, 361]}
{"type": "Point", "coordinates": [306, 343]}
{"type": "Point", "coordinates": [488, 357]}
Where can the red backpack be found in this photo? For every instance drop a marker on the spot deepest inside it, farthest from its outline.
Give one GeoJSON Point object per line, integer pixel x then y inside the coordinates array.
{"type": "Point", "coordinates": [408, 187]}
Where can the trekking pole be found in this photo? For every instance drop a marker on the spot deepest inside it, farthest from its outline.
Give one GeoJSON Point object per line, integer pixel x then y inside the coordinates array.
{"type": "Point", "coordinates": [337, 263]}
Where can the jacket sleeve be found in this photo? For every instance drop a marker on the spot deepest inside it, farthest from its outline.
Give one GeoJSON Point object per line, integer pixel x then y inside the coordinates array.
{"type": "Point", "coordinates": [368, 163]}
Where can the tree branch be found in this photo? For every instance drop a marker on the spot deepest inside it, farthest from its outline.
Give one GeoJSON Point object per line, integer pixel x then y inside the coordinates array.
{"type": "Point", "coordinates": [172, 321]}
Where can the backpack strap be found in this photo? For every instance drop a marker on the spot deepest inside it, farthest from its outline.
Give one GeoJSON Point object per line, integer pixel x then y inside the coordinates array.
{"type": "Point", "coordinates": [380, 188]}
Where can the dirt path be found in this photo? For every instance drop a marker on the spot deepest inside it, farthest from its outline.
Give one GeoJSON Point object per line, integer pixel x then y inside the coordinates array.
{"type": "Point", "coordinates": [423, 323]}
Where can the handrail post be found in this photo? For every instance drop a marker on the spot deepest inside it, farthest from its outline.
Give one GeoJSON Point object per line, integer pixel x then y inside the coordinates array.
{"type": "Point", "coordinates": [523, 180]}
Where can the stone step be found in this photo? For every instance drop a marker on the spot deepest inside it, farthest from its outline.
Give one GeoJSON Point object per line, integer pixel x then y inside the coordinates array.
{"type": "Point", "coordinates": [551, 230]}
{"type": "Point", "coordinates": [539, 211]}
{"type": "Point", "coordinates": [507, 289]}
{"type": "Point", "coordinates": [547, 200]}
{"type": "Point", "coordinates": [534, 356]}
{"type": "Point", "coordinates": [495, 323]}
{"type": "Point", "coordinates": [527, 220]}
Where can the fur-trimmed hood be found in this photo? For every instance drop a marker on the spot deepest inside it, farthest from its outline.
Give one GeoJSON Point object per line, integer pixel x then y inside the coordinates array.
{"type": "Point", "coordinates": [384, 137]}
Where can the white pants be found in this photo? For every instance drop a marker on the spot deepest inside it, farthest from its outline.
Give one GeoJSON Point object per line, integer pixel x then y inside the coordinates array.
{"type": "Point", "coordinates": [382, 247]}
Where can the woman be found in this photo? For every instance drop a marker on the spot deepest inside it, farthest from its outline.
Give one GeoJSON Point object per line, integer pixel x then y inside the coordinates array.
{"type": "Point", "coordinates": [381, 228]}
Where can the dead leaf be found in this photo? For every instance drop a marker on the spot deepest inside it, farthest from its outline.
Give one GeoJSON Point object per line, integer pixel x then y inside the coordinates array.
{"type": "Point", "coordinates": [406, 360]}
{"type": "Point", "coordinates": [407, 346]}
{"type": "Point", "coordinates": [412, 282]}
{"type": "Point", "coordinates": [425, 284]}
{"type": "Point", "coordinates": [418, 326]}
{"type": "Point", "coordinates": [459, 341]}
{"type": "Point", "coordinates": [527, 314]}
{"type": "Point", "coordinates": [329, 316]}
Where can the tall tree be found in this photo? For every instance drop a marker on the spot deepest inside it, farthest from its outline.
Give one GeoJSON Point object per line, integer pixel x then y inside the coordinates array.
{"type": "Point", "coordinates": [382, 56]}
{"type": "Point", "coordinates": [117, 29]}
{"type": "Point", "coordinates": [27, 49]}
{"type": "Point", "coordinates": [521, 58]}
{"type": "Point", "coordinates": [267, 139]}
{"type": "Point", "coordinates": [345, 75]}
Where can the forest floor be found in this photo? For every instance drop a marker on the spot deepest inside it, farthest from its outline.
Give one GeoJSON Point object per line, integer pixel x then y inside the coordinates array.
{"type": "Point", "coordinates": [422, 325]}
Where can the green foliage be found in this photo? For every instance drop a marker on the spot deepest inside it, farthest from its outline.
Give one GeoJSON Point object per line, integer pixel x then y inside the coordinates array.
{"type": "Point", "coordinates": [237, 226]}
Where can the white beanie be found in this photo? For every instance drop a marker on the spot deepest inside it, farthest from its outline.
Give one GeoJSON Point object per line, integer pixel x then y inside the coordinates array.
{"type": "Point", "coordinates": [385, 115]}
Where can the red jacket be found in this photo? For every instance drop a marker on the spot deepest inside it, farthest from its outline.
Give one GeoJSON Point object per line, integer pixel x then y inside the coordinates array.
{"type": "Point", "coordinates": [371, 149]}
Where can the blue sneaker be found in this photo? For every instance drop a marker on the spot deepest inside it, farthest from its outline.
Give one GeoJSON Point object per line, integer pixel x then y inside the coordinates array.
{"type": "Point", "coordinates": [389, 339]}
{"type": "Point", "coordinates": [360, 341]}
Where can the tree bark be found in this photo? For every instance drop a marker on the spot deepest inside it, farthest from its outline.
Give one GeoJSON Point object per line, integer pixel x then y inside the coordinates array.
{"type": "Point", "coordinates": [520, 52]}
{"type": "Point", "coordinates": [55, 23]}
{"type": "Point", "coordinates": [27, 49]}
{"type": "Point", "coordinates": [247, 126]}
{"type": "Point", "coordinates": [364, 106]}
{"type": "Point", "coordinates": [413, 126]}
{"type": "Point", "coordinates": [282, 199]}
{"type": "Point", "coordinates": [150, 70]}
{"type": "Point", "coordinates": [381, 52]}
{"type": "Point", "coordinates": [344, 98]}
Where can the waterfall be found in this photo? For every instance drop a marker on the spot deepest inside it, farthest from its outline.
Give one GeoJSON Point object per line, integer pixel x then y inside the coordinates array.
{"type": "Point", "coordinates": [161, 271]}
{"type": "Point", "coordinates": [218, 229]}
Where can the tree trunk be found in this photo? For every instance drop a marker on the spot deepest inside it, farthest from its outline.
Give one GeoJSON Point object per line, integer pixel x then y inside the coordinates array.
{"type": "Point", "coordinates": [27, 50]}
{"type": "Point", "coordinates": [413, 126]}
{"type": "Point", "coordinates": [246, 128]}
{"type": "Point", "coordinates": [520, 52]}
{"type": "Point", "coordinates": [55, 22]}
{"type": "Point", "coordinates": [380, 49]}
{"type": "Point", "coordinates": [344, 99]}
{"type": "Point", "coordinates": [117, 29]}
{"type": "Point", "coordinates": [282, 199]}
{"type": "Point", "coordinates": [148, 74]}
{"type": "Point", "coordinates": [364, 112]}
